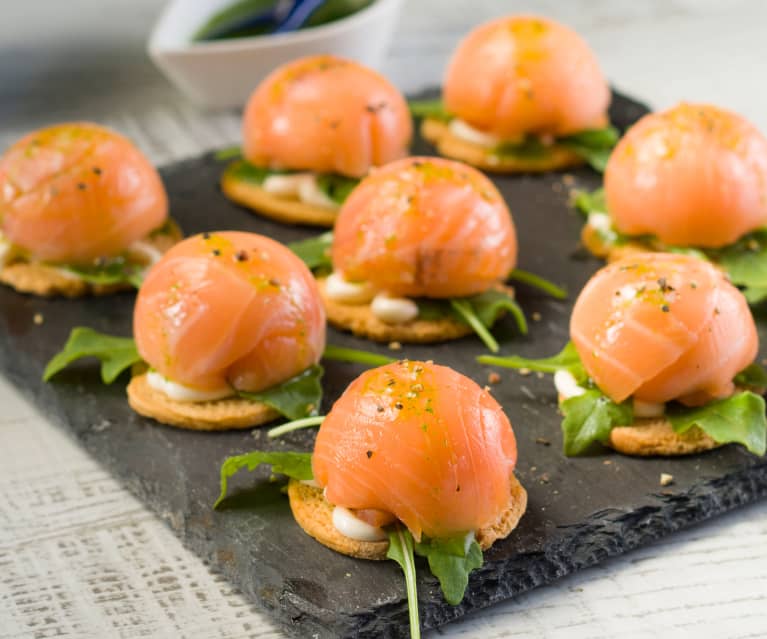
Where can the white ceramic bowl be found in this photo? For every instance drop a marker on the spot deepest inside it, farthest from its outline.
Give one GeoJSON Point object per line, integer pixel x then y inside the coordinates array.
{"type": "Point", "coordinates": [222, 74]}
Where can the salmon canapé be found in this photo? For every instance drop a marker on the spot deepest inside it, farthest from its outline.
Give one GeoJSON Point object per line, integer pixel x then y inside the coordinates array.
{"type": "Point", "coordinates": [694, 175]}
{"type": "Point", "coordinates": [72, 193]}
{"type": "Point", "coordinates": [659, 327]}
{"type": "Point", "coordinates": [328, 115]}
{"type": "Point", "coordinates": [420, 443]}
{"type": "Point", "coordinates": [229, 310]}
{"type": "Point", "coordinates": [521, 75]}
{"type": "Point", "coordinates": [425, 227]}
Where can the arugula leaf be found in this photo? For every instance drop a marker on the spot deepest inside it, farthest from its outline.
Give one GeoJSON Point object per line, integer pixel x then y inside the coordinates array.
{"type": "Point", "coordinates": [566, 360]}
{"type": "Point", "coordinates": [536, 281]}
{"type": "Point", "coordinates": [115, 271]}
{"type": "Point", "coordinates": [589, 418]}
{"type": "Point", "coordinates": [116, 353]}
{"type": "Point", "coordinates": [296, 424]}
{"type": "Point", "coordinates": [298, 397]}
{"type": "Point", "coordinates": [434, 109]}
{"type": "Point", "coordinates": [401, 551]}
{"type": "Point", "coordinates": [752, 377]}
{"type": "Point", "coordinates": [745, 261]}
{"type": "Point", "coordinates": [593, 145]}
{"type": "Point", "coordinates": [466, 313]}
{"type": "Point", "coordinates": [244, 170]}
{"type": "Point", "coordinates": [491, 304]}
{"type": "Point", "coordinates": [294, 465]}
{"type": "Point", "coordinates": [315, 251]}
{"type": "Point", "coordinates": [531, 146]}
{"type": "Point", "coordinates": [336, 187]}
{"type": "Point", "coordinates": [478, 311]}
{"type": "Point", "coordinates": [739, 419]}
{"type": "Point", "coordinates": [433, 309]}
{"type": "Point", "coordinates": [591, 201]}
{"type": "Point", "coordinates": [341, 354]}
{"type": "Point", "coordinates": [755, 295]}
{"type": "Point", "coordinates": [229, 153]}
{"type": "Point", "coordinates": [451, 561]}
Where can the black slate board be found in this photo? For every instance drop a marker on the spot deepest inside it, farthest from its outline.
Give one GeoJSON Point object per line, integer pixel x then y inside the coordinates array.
{"type": "Point", "coordinates": [581, 511]}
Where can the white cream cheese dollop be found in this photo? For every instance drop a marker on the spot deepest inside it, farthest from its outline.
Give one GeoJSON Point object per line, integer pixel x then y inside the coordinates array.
{"type": "Point", "coordinates": [346, 292]}
{"type": "Point", "coordinates": [350, 526]}
{"type": "Point", "coordinates": [394, 310]}
{"type": "Point", "coordinates": [181, 393]}
{"type": "Point", "coordinates": [147, 251]}
{"type": "Point", "coordinates": [465, 131]}
{"type": "Point", "coordinates": [601, 222]}
{"type": "Point", "coordinates": [302, 186]}
{"type": "Point", "coordinates": [566, 385]}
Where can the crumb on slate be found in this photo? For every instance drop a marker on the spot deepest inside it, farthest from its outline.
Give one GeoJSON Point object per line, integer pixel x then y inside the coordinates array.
{"type": "Point", "coordinates": [666, 479]}
{"type": "Point", "coordinates": [536, 316]}
{"type": "Point", "coordinates": [493, 378]}
{"type": "Point", "coordinates": [542, 441]}
{"type": "Point", "coordinates": [568, 179]}
{"type": "Point", "coordinates": [524, 372]}
{"type": "Point", "coordinates": [395, 346]}
{"type": "Point", "coordinates": [545, 478]}
{"type": "Point", "coordinates": [607, 462]}
{"type": "Point", "coordinates": [38, 318]}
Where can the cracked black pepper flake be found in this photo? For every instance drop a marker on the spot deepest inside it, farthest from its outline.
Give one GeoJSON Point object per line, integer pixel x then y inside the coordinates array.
{"type": "Point", "coordinates": [458, 488]}
{"type": "Point", "coordinates": [369, 454]}
{"type": "Point", "coordinates": [96, 170]}
{"type": "Point", "coordinates": [274, 282]}
{"type": "Point", "coordinates": [664, 286]}
{"type": "Point", "coordinates": [206, 236]}
{"type": "Point", "coordinates": [216, 252]}
{"type": "Point", "coordinates": [665, 308]}
{"type": "Point", "coordinates": [380, 408]}
{"type": "Point", "coordinates": [81, 186]}
{"type": "Point", "coordinates": [399, 406]}
{"type": "Point", "coordinates": [241, 256]}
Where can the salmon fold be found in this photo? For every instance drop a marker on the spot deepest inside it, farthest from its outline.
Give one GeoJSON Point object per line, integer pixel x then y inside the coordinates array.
{"type": "Point", "coordinates": [326, 114]}
{"type": "Point", "coordinates": [661, 327]}
{"type": "Point", "coordinates": [524, 74]}
{"type": "Point", "coordinates": [229, 309]}
{"type": "Point", "coordinates": [420, 442]}
{"type": "Point", "coordinates": [73, 193]}
{"type": "Point", "coordinates": [425, 227]}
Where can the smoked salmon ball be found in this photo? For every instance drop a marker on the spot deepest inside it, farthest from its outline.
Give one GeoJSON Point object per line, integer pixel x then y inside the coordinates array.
{"type": "Point", "coordinates": [425, 227]}
{"type": "Point", "coordinates": [662, 327]}
{"type": "Point", "coordinates": [75, 192]}
{"type": "Point", "coordinates": [420, 442]}
{"type": "Point", "coordinates": [229, 309]}
{"type": "Point", "coordinates": [694, 175]}
{"type": "Point", "coordinates": [326, 114]}
{"type": "Point", "coordinates": [526, 74]}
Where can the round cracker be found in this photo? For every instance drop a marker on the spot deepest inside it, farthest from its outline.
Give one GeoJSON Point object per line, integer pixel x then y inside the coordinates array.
{"type": "Point", "coordinates": [47, 280]}
{"type": "Point", "coordinates": [451, 146]}
{"type": "Point", "coordinates": [315, 516]}
{"type": "Point", "coordinates": [649, 437]}
{"type": "Point", "coordinates": [282, 209]}
{"type": "Point", "coordinates": [220, 414]}
{"type": "Point", "coordinates": [360, 320]}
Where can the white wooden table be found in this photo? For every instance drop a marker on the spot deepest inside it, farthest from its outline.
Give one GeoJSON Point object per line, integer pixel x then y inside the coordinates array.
{"type": "Point", "coordinates": [80, 557]}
